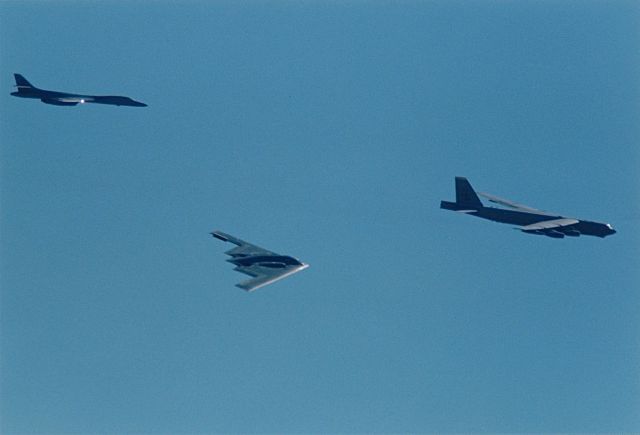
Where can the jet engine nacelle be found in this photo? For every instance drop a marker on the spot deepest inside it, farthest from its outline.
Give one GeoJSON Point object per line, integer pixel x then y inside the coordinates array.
{"type": "Point", "coordinates": [554, 234]}
{"type": "Point", "coordinates": [534, 232]}
{"type": "Point", "coordinates": [572, 233]}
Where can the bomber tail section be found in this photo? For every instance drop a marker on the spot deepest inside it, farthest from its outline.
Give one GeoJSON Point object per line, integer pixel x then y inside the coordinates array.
{"type": "Point", "coordinates": [25, 89]}
{"type": "Point", "coordinates": [466, 198]}
{"type": "Point", "coordinates": [465, 195]}
{"type": "Point", "coordinates": [22, 83]}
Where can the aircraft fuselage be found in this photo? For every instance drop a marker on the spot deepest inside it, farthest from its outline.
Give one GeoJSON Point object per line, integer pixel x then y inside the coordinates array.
{"type": "Point", "coordinates": [27, 90]}
{"type": "Point", "coordinates": [522, 218]}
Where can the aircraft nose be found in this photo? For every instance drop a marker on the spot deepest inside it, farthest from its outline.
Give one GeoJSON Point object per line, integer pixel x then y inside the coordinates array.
{"type": "Point", "coordinates": [135, 103]}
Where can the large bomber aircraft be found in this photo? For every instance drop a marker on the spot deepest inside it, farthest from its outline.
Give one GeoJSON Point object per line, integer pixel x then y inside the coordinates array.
{"type": "Point", "coordinates": [529, 220]}
{"type": "Point", "coordinates": [27, 90]}
{"type": "Point", "coordinates": [264, 266]}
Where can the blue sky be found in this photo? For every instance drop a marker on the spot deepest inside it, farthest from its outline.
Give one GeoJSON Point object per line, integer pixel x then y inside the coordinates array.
{"type": "Point", "coordinates": [329, 131]}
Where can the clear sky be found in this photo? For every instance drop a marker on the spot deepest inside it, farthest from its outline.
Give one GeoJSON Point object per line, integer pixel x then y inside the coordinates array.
{"type": "Point", "coordinates": [329, 131]}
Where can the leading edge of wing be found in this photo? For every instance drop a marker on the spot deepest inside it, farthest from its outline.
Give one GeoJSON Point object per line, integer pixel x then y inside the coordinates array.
{"type": "Point", "coordinates": [547, 225]}
{"type": "Point", "coordinates": [227, 238]}
{"type": "Point", "coordinates": [264, 279]}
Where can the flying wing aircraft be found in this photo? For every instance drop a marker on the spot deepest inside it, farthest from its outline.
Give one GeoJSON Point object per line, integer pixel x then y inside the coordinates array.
{"type": "Point", "coordinates": [264, 266]}
{"type": "Point", "coordinates": [27, 90]}
{"type": "Point", "coordinates": [528, 219]}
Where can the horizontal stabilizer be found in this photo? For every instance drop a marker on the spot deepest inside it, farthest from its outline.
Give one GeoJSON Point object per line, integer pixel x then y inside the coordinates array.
{"type": "Point", "coordinates": [454, 206]}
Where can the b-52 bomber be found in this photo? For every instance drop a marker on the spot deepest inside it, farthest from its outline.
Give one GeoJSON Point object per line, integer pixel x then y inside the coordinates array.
{"type": "Point", "coordinates": [529, 220]}
{"type": "Point", "coordinates": [264, 266]}
{"type": "Point", "coordinates": [27, 90]}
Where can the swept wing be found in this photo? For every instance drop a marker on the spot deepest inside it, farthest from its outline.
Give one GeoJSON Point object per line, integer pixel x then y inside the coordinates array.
{"type": "Point", "coordinates": [264, 276]}
{"type": "Point", "coordinates": [549, 225]}
{"type": "Point", "coordinates": [514, 205]}
{"type": "Point", "coordinates": [264, 266]}
{"type": "Point", "coordinates": [243, 248]}
{"type": "Point", "coordinates": [556, 228]}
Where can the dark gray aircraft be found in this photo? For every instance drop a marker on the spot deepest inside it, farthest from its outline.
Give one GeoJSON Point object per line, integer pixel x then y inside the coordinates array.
{"type": "Point", "coordinates": [264, 266]}
{"type": "Point", "coordinates": [530, 220]}
{"type": "Point", "coordinates": [27, 90]}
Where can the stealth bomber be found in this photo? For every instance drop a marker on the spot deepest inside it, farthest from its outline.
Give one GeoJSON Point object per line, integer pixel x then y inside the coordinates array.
{"type": "Point", "coordinates": [264, 266]}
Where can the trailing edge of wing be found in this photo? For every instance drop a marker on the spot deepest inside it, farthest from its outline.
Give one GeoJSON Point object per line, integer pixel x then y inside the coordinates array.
{"type": "Point", "coordinates": [511, 204]}
{"type": "Point", "coordinates": [243, 248]}
{"type": "Point", "coordinates": [547, 225]}
{"type": "Point", "coordinates": [262, 280]}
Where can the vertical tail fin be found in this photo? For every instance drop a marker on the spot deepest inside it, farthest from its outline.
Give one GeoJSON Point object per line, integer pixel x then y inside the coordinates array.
{"type": "Point", "coordinates": [465, 195]}
{"type": "Point", "coordinates": [22, 83]}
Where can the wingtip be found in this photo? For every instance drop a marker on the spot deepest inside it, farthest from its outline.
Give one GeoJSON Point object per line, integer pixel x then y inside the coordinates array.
{"type": "Point", "coordinates": [248, 290]}
{"type": "Point", "coordinates": [223, 236]}
{"type": "Point", "coordinates": [219, 235]}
